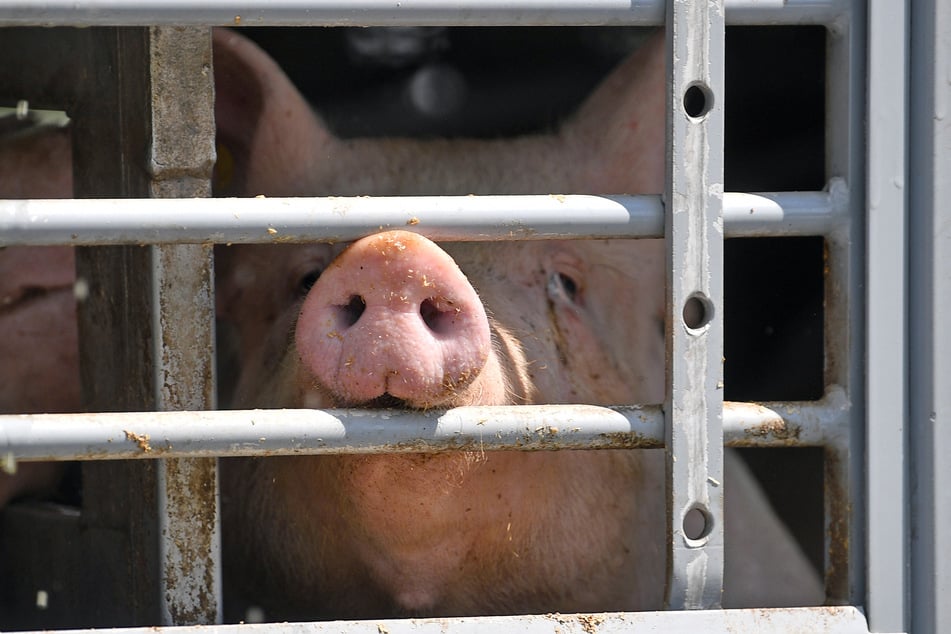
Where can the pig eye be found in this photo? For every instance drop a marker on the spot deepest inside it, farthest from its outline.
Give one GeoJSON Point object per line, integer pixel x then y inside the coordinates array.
{"type": "Point", "coordinates": [562, 287]}
{"type": "Point", "coordinates": [308, 280]}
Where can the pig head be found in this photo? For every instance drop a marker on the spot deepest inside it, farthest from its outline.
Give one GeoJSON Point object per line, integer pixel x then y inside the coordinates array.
{"type": "Point", "coordinates": [397, 321]}
{"type": "Point", "coordinates": [427, 326]}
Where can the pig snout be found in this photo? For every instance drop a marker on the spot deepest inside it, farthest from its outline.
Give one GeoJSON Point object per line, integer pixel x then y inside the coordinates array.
{"type": "Point", "coordinates": [393, 318]}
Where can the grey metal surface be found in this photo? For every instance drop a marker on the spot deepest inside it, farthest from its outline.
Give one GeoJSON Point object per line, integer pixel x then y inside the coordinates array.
{"type": "Point", "coordinates": [844, 365]}
{"type": "Point", "coordinates": [150, 435]}
{"type": "Point", "coordinates": [143, 126]}
{"type": "Point", "coordinates": [886, 301]}
{"type": "Point", "coordinates": [694, 322]}
{"type": "Point", "coordinates": [389, 13]}
{"type": "Point", "coordinates": [844, 338]}
{"type": "Point", "coordinates": [930, 314]}
{"type": "Point", "coordinates": [180, 160]}
{"type": "Point", "coordinates": [244, 220]}
{"type": "Point", "coordinates": [831, 620]}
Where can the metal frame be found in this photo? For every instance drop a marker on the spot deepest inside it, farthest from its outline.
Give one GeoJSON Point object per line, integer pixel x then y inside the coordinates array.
{"type": "Point", "coordinates": [889, 403]}
{"type": "Point", "coordinates": [929, 289]}
{"type": "Point", "coordinates": [887, 332]}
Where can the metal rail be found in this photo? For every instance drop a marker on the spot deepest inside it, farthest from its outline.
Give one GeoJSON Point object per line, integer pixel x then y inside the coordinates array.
{"type": "Point", "coordinates": [886, 300]}
{"type": "Point", "coordinates": [833, 423]}
{"type": "Point", "coordinates": [285, 220]}
{"type": "Point", "coordinates": [396, 13]}
{"type": "Point", "coordinates": [694, 307]}
{"type": "Point", "coordinates": [830, 620]}
{"type": "Point", "coordinates": [115, 436]}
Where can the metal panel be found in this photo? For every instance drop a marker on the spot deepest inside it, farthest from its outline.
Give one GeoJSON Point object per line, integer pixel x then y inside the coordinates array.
{"type": "Point", "coordinates": [930, 314]}
{"type": "Point", "coordinates": [886, 333]}
{"type": "Point", "coordinates": [623, 216]}
{"type": "Point", "coordinates": [389, 13]}
{"type": "Point", "coordinates": [694, 322]}
{"type": "Point", "coordinates": [844, 315]}
{"type": "Point", "coordinates": [846, 620]}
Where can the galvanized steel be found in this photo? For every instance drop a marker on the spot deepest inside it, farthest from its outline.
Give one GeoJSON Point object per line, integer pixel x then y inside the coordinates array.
{"type": "Point", "coordinates": [172, 434]}
{"type": "Point", "coordinates": [829, 620]}
{"type": "Point", "coordinates": [332, 219]}
{"type": "Point", "coordinates": [694, 319]}
{"type": "Point", "coordinates": [390, 13]}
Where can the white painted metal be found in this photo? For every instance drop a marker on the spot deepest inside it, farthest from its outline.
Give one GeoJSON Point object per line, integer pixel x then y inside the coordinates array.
{"type": "Point", "coordinates": [247, 220]}
{"type": "Point", "coordinates": [830, 620]}
{"type": "Point", "coordinates": [694, 321]}
{"type": "Point", "coordinates": [393, 13]}
{"type": "Point", "coordinates": [844, 484]}
{"type": "Point", "coordinates": [176, 434]}
{"type": "Point", "coordinates": [837, 422]}
{"type": "Point", "coordinates": [929, 315]}
{"type": "Point", "coordinates": [187, 496]}
{"type": "Point", "coordinates": [886, 309]}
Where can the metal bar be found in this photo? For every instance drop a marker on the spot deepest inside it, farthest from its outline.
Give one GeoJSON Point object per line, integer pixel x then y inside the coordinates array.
{"type": "Point", "coordinates": [830, 620]}
{"type": "Point", "coordinates": [694, 324]}
{"type": "Point", "coordinates": [886, 333]}
{"type": "Point", "coordinates": [389, 13]}
{"type": "Point", "coordinates": [128, 435]}
{"type": "Point", "coordinates": [929, 315]}
{"type": "Point", "coordinates": [844, 310]}
{"type": "Point", "coordinates": [180, 160]}
{"type": "Point", "coordinates": [285, 220]}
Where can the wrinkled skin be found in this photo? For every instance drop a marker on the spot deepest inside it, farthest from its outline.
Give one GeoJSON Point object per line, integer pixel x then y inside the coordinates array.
{"type": "Point", "coordinates": [570, 321]}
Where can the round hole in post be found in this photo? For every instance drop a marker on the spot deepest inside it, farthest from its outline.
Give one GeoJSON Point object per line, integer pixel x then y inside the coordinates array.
{"type": "Point", "coordinates": [698, 100]}
{"type": "Point", "coordinates": [698, 311]}
{"type": "Point", "coordinates": [697, 523]}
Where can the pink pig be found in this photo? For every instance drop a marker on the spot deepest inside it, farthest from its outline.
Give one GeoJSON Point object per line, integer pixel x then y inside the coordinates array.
{"type": "Point", "coordinates": [398, 321]}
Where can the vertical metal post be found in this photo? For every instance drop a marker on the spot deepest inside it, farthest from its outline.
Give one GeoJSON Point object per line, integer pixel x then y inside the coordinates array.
{"type": "Point", "coordinates": [180, 161]}
{"type": "Point", "coordinates": [694, 231]}
{"type": "Point", "coordinates": [844, 308]}
{"type": "Point", "coordinates": [886, 331]}
{"type": "Point", "coordinates": [930, 313]}
{"type": "Point", "coordinates": [145, 128]}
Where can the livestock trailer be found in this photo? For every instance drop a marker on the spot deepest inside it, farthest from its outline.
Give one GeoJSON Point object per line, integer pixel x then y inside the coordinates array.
{"type": "Point", "coordinates": [143, 549]}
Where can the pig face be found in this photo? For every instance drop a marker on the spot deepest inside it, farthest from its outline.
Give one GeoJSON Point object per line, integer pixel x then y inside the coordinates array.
{"type": "Point", "coordinates": [395, 320]}
{"type": "Point", "coordinates": [459, 533]}
{"type": "Point", "coordinates": [566, 321]}
{"type": "Point", "coordinates": [446, 534]}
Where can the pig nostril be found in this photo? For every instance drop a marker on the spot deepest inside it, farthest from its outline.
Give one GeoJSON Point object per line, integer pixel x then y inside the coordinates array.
{"type": "Point", "coordinates": [435, 319]}
{"type": "Point", "coordinates": [351, 313]}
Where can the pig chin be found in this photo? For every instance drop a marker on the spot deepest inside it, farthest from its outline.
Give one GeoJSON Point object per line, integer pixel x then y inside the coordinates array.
{"type": "Point", "coordinates": [489, 385]}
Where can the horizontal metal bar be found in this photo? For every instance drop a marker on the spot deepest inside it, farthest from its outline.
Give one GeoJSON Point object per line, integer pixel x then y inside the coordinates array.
{"type": "Point", "coordinates": [787, 213]}
{"type": "Point", "coordinates": [394, 13]}
{"type": "Point", "coordinates": [287, 220]}
{"type": "Point", "coordinates": [831, 620]}
{"type": "Point", "coordinates": [33, 437]}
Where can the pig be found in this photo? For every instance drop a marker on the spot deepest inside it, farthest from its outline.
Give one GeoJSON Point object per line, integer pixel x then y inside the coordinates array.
{"type": "Point", "coordinates": [39, 344]}
{"type": "Point", "coordinates": [395, 320]}
{"type": "Point", "coordinates": [536, 322]}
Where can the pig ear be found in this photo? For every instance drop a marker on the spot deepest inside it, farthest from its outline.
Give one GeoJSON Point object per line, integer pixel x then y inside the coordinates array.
{"type": "Point", "coordinates": [621, 126]}
{"type": "Point", "coordinates": [269, 140]}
